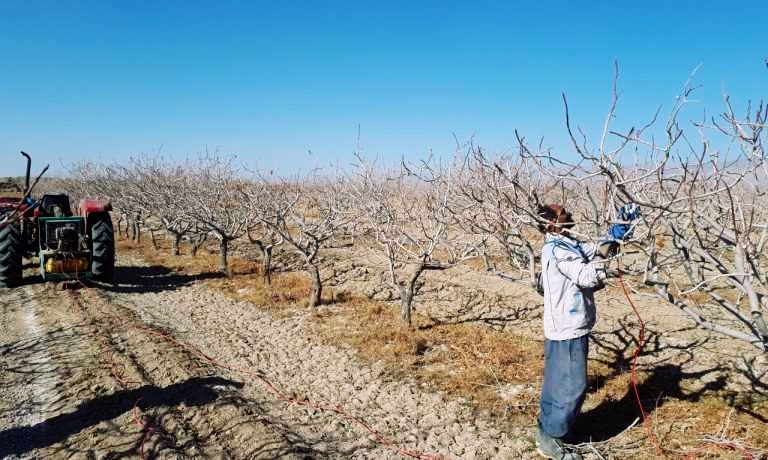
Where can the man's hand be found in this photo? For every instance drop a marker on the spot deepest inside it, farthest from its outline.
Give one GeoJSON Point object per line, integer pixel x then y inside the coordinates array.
{"type": "Point", "coordinates": [627, 213]}
{"type": "Point", "coordinates": [608, 249]}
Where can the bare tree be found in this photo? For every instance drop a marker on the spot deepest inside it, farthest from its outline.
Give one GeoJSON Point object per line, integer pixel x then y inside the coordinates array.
{"type": "Point", "coordinates": [114, 182]}
{"type": "Point", "coordinates": [407, 213]}
{"type": "Point", "coordinates": [266, 239]}
{"type": "Point", "coordinates": [257, 198]}
{"type": "Point", "coordinates": [705, 208]}
{"type": "Point", "coordinates": [210, 193]}
{"type": "Point", "coordinates": [497, 200]}
{"type": "Point", "coordinates": [161, 186]}
{"type": "Point", "coordinates": [306, 215]}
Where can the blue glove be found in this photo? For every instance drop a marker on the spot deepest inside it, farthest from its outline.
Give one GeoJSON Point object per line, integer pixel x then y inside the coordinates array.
{"type": "Point", "coordinates": [619, 231]}
{"type": "Point", "coordinates": [628, 212]}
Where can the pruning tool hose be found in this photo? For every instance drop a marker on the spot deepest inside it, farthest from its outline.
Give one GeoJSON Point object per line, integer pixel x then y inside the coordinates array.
{"type": "Point", "coordinates": [641, 339]}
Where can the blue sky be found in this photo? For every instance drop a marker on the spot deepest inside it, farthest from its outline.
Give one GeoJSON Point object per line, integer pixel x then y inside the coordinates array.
{"type": "Point", "coordinates": [270, 81]}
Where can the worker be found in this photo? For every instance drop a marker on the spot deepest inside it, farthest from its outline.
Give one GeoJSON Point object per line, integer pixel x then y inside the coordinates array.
{"type": "Point", "coordinates": [571, 272]}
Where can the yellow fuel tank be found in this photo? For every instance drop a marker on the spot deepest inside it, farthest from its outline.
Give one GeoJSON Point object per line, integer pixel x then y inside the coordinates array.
{"type": "Point", "coordinates": [69, 265]}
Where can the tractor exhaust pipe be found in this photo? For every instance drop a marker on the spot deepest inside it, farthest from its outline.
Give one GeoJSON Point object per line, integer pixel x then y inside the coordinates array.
{"type": "Point", "coordinates": [29, 167]}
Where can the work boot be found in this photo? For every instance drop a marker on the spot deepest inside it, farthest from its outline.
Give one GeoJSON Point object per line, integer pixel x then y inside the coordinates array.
{"type": "Point", "coordinates": [553, 448]}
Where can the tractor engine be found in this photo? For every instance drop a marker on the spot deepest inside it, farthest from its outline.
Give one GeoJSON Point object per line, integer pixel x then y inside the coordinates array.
{"type": "Point", "coordinates": [64, 246]}
{"type": "Point", "coordinates": [68, 239]}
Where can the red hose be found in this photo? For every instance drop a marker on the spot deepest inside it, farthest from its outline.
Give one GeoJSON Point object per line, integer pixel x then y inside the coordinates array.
{"type": "Point", "coordinates": [704, 447]}
{"type": "Point", "coordinates": [268, 385]}
{"type": "Point", "coordinates": [633, 370]}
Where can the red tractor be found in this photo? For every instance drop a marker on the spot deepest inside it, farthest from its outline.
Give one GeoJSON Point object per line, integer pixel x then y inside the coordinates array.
{"type": "Point", "coordinates": [67, 246]}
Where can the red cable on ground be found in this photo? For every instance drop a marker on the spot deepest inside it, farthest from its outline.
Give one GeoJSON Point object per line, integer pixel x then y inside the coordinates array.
{"type": "Point", "coordinates": [647, 421]}
{"type": "Point", "coordinates": [633, 371]}
{"type": "Point", "coordinates": [146, 427]}
{"type": "Point", "coordinates": [271, 388]}
{"type": "Point", "coordinates": [118, 373]}
{"type": "Point", "coordinates": [279, 395]}
{"type": "Point", "coordinates": [378, 436]}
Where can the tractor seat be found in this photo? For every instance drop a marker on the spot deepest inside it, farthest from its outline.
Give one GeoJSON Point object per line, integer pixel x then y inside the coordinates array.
{"type": "Point", "coordinates": [56, 204]}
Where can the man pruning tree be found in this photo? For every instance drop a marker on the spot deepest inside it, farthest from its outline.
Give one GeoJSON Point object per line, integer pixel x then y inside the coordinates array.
{"type": "Point", "coordinates": [571, 272]}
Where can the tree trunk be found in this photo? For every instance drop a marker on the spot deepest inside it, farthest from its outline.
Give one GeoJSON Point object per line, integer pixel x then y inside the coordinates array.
{"type": "Point", "coordinates": [223, 249]}
{"type": "Point", "coordinates": [176, 244]}
{"type": "Point", "coordinates": [266, 259]}
{"type": "Point", "coordinates": [315, 296]}
{"type": "Point", "coordinates": [406, 299]}
{"type": "Point", "coordinates": [137, 228]}
{"type": "Point", "coordinates": [197, 244]}
{"type": "Point", "coordinates": [154, 239]}
{"type": "Point", "coordinates": [407, 292]}
{"type": "Point", "coordinates": [127, 227]}
{"type": "Point", "coordinates": [266, 264]}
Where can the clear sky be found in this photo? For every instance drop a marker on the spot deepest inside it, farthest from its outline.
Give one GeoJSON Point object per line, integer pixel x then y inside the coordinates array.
{"type": "Point", "coordinates": [271, 81]}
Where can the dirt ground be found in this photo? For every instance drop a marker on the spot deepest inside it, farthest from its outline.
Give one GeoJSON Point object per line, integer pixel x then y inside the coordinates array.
{"type": "Point", "coordinates": [86, 373]}
{"type": "Point", "coordinates": [167, 365]}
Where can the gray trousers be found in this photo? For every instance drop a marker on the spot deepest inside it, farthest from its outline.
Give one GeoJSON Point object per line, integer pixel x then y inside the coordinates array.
{"type": "Point", "coordinates": [565, 384]}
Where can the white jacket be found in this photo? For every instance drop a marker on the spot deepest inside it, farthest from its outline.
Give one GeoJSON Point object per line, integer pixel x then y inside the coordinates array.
{"type": "Point", "coordinates": [568, 277]}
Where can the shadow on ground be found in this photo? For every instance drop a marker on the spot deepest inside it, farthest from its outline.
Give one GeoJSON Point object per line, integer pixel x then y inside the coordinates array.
{"type": "Point", "coordinates": [196, 391]}
{"type": "Point", "coordinates": [612, 417]}
{"type": "Point", "coordinates": [614, 349]}
{"type": "Point", "coordinates": [492, 311]}
{"type": "Point", "coordinates": [155, 278]}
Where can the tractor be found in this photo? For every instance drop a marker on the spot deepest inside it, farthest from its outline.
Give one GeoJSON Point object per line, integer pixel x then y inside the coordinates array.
{"type": "Point", "coordinates": [67, 246]}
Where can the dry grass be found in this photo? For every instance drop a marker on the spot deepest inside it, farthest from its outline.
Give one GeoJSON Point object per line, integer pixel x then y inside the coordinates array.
{"type": "Point", "coordinates": [499, 372]}
{"type": "Point", "coordinates": [244, 283]}
{"type": "Point", "coordinates": [206, 260]}
{"type": "Point", "coordinates": [287, 290]}
{"type": "Point", "coordinates": [684, 424]}
{"type": "Point", "coordinates": [468, 360]}
{"type": "Point", "coordinates": [680, 416]}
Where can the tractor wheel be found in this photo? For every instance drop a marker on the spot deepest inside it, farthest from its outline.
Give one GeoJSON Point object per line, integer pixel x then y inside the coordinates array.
{"type": "Point", "coordinates": [103, 239]}
{"type": "Point", "coordinates": [10, 256]}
